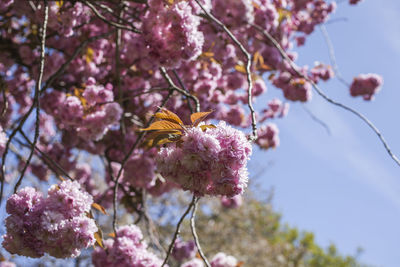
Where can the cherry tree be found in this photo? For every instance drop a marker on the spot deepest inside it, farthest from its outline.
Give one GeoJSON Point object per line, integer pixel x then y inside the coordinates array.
{"type": "Point", "coordinates": [110, 104]}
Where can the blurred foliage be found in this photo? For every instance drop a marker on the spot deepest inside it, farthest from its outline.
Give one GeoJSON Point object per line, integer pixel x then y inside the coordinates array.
{"type": "Point", "coordinates": [255, 235]}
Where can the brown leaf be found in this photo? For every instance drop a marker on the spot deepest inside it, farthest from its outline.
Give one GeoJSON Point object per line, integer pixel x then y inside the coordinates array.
{"type": "Point", "coordinates": [240, 68]}
{"type": "Point", "coordinates": [163, 125]}
{"type": "Point", "coordinates": [154, 135]}
{"type": "Point", "coordinates": [265, 67]}
{"type": "Point", "coordinates": [99, 239]}
{"type": "Point", "coordinates": [198, 117]}
{"type": "Point", "coordinates": [99, 208]}
{"type": "Point", "coordinates": [207, 54]}
{"type": "Point", "coordinates": [167, 115]}
{"type": "Point", "coordinates": [165, 138]}
{"type": "Point", "coordinates": [113, 235]}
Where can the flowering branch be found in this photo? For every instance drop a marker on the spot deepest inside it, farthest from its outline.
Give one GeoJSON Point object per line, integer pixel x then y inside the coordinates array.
{"type": "Point", "coordinates": [138, 140]}
{"type": "Point", "coordinates": [248, 68]}
{"type": "Point", "coordinates": [36, 102]}
{"type": "Point", "coordinates": [112, 23]}
{"type": "Point", "coordinates": [74, 55]}
{"type": "Point", "coordinates": [324, 96]}
{"type": "Point", "coordinates": [181, 91]}
{"type": "Point", "coordinates": [45, 156]}
{"type": "Point", "coordinates": [184, 88]}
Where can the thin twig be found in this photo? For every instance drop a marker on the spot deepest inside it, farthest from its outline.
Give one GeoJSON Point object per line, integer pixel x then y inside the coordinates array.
{"type": "Point", "coordinates": [181, 91]}
{"type": "Point", "coordinates": [184, 88]}
{"type": "Point", "coordinates": [332, 56]}
{"type": "Point", "coordinates": [3, 91]}
{"type": "Point", "coordinates": [324, 96]}
{"type": "Point", "coordinates": [127, 156]}
{"type": "Point", "coordinates": [118, 72]}
{"type": "Point", "coordinates": [248, 69]}
{"type": "Point", "coordinates": [112, 12]}
{"type": "Point", "coordinates": [331, 21]}
{"type": "Point", "coordinates": [68, 62]}
{"type": "Point", "coordinates": [46, 157]}
{"type": "Point", "coordinates": [317, 120]}
{"type": "Point", "coordinates": [196, 238]}
{"type": "Point", "coordinates": [178, 229]}
{"type": "Point", "coordinates": [150, 224]}
{"type": "Point", "coordinates": [112, 23]}
{"type": "Point", "coordinates": [36, 101]}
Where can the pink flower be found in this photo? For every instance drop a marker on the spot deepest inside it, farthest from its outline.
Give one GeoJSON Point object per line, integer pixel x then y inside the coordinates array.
{"type": "Point", "coordinates": [366, 85]}
{"type": "Point", "coordinates": [223, 260]}
{"type": "Point", "coordinates": [209, 162]}
{"type": "Point", "coordinates": [126, 250]}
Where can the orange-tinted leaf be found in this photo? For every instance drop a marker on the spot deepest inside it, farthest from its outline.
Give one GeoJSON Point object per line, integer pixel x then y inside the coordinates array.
{"type": "Point", "coordinates": [240, 68]}
{"type": "Point", "coordinates": [163, 125]}
{"type": "Point", "coordinates": [165, 138]}
{"type": "Point", "coordinates": [207, 126]}
{"type": "Point", "coordinates": [89, 55]}
{"type": "Point", "coordinates": [208, 54]}
{"type": "Point", "coordinates": [215, 61]}
{"type": "Point", "coordinates": [255, 5]}
{"type": "Point", "coordinates": [258, 58]}
{"type": "Point", "coordinates": [240, 263]}
{"type": "Point", "coordinates": [157, 133]}
{"type": "Point", "coordinates": [60, 3]}
{"type": "Point", "coordinates": [99, 238]}
{"type": "Point", "coordinates": [112, 235]}
{"type": "Point", "coordinates": [99, 208]}
{"type": "Point", "coordinates": [265, 67]}
{"type": "Point", "coordinates": [165, 114]}
{"type": "Point", "coordinates": [198, 117]}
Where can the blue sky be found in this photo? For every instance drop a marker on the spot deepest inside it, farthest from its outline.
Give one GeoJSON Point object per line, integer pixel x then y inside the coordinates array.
{"type": "Point", "coordinates": [344, 186]}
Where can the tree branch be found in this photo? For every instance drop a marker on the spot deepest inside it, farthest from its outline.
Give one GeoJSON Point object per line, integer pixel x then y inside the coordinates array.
{"type": "Point", "coordinates": [181, 91]}
{"type": "Point", "coordinates": [196, 238]}
{"type": "Point", "coordinates": [248, 69]}
{"type": "Point", "coordinates": [324, 96]}
{"type": "Point", "coordinates": [178, 229]}
{"type": "Point", "coordinates": [36, 101]}
{"type": "Point", "coordinates": [109, 22]}
{"type": "Point", "coordinates": [127, 156]}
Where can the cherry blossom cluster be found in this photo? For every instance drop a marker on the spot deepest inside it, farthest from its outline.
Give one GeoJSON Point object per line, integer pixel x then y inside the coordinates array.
{"type": "Point", "coordinates": [184, 250]}
{"type": "Point", "coordinates": [57, 224]}
{"type": "Point", "coordinates": [294, 89]}
{"type": "Point", "coordinates": [232, 202]}
{"type": "Point", "coordinates": [268, 136]}
{"type": "Point", "coordinates": [210, 162]}
{"type": "Point", "coordinates": [276, 109]}
{"type": "Point", "coordinates": [219, 260]}
{"type": "Point", "coordinates": [90, 113]}
{"type": "Point", "coordinates": [127, 249]}
{"type": "Point", "coordinates": [366, 85]}
{"type": "Point", "coordinates": [171, 33]}
{"type": "Point", "coordinates": [323, 72]}
{"type": "Point", "coordinates": [7, 264]}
